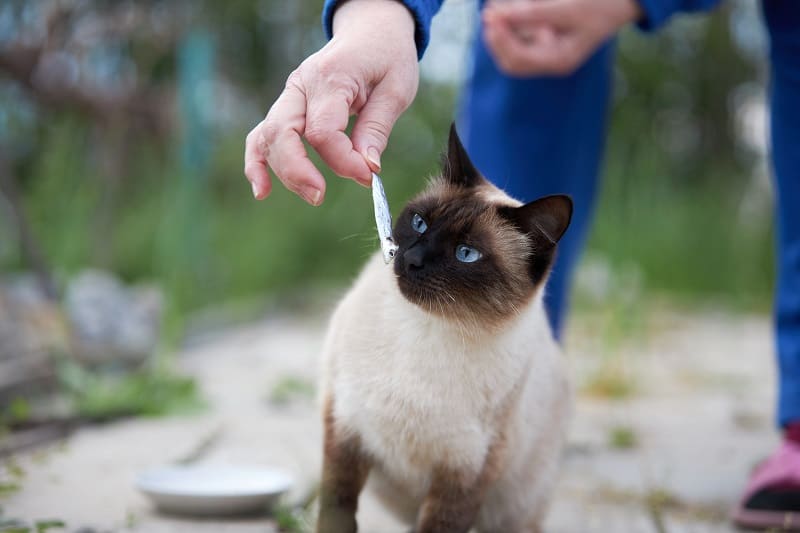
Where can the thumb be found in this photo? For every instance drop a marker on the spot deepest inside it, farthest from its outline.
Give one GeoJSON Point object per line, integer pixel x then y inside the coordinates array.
{"type": "Point", "coordinates": [374, 124]}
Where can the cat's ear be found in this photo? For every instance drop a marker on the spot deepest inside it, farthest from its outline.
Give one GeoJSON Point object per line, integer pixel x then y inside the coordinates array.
{"type": "Point", "coordinates": [457, 168]}
{"type": "Point", "coordinates": [544, 220]}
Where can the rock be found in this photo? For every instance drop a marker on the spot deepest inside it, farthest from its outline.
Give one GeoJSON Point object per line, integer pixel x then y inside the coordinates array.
{"type": "Point", "coordinates": [111, 323]}
{"type": "Point", "coordinates": [32, 328]}
{"type": "Point", "coordinates": [29, 322]}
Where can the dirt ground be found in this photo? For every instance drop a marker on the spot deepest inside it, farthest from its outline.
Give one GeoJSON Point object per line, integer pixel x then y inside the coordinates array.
{"type": "Point", "coordinates": [673, 410]}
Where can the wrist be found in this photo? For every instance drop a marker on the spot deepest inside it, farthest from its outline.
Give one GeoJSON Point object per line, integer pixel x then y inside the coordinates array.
{"type": "Point", "coordinates": [377, 14]}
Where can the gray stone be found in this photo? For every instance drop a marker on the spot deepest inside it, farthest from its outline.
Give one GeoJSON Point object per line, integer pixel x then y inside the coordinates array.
{"type": "Point", "coordinates": [112, 323]}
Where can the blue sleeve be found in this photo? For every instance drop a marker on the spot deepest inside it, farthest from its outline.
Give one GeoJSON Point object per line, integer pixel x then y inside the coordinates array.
{"type": "Point", "coordinates": [657, 12]}
{"type": "Point", "coordinates": [422, 10]}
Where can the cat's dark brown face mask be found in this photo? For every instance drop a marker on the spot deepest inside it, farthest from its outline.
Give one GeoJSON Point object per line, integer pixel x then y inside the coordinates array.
{"type": "Point", "coordinates": [466, 254]}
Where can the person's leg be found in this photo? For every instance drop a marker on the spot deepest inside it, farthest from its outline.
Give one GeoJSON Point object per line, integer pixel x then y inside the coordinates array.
{"type": "Point", "coordinates": [539, 136]}
{"type": "Point", "coordinates": [772, 497]}
{"type": "Point", "coordinates": [783, 19]}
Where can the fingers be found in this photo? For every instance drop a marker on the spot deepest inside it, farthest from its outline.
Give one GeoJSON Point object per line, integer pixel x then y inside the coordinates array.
{"type": "Point", "coordinates": [326, 121]}
{"type": "Point", "coordinates": [538, 51]}
{"type": "Point", "coordinates": [341, 79]}
{"type": "Point", "coordinates": [557, 13]}
{"type": "Point", "coordinates": [375, 122]}
{"type": "Point", "coordinates": [278, 143]}
{"type": "Point", "coordinates": [255, 166]}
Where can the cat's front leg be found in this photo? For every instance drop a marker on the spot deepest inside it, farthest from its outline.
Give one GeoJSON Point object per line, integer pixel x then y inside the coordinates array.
{"type": "Point", "coordinates": [452, 503]}
{"type": "Point", "coordinates": [344, 472]}
{"type": "Point", "coordinates": [455, 497]}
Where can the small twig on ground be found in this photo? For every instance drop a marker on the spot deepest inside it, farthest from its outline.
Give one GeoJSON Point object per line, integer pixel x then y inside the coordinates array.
{"type": "Point", "coordinates": [656, 514]}
{"type": "Point", "coordinates": [202, 448]}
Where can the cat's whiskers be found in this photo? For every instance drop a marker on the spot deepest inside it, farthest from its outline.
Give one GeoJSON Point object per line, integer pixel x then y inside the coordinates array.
{"type": "Point", "coordinates": [447, 293]}
{"type": "Point", "coordinates": [428, 300]}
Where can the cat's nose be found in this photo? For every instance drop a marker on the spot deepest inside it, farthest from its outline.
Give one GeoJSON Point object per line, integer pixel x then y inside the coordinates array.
{"type": "Point", "coordinates": [414, 258]}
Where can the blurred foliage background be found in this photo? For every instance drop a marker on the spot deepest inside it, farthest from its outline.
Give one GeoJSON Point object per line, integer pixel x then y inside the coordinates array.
{"type": "Point", "coordinates": [122, 127]}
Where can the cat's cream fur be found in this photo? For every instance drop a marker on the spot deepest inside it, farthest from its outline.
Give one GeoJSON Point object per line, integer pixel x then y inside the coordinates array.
{"type": "Point", "coordinates": [420, 393]}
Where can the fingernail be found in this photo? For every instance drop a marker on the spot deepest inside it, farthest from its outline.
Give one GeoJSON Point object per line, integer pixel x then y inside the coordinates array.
{"type": "Point", "coordinates": [255, 191]}
{"type": "Point", "coordinates": [374, 157]}
{"type": "Point", "coordinates": [311, 195]}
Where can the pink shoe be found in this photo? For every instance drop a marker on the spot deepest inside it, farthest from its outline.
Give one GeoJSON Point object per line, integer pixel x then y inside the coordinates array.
{"type": "Point", "coordinates": [772, 497]}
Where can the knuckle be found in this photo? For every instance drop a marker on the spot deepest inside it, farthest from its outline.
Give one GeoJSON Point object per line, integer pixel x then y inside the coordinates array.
{"type": "Point", "coordinates": [267, 135]}
{"type": "Point", "coordinates": [329, 74]}
{"type": "Point", "coordinates": [295, 80]}
{"type": "Point", "coordinates": [292, 179]}
{"type": "Point", "coordinates": [377, 130]}
{"type": "Point", "coordinates": [398, 97]}
{"type": "Point", "coordinates": [316, 134]}
{"type": "Point", "coordinates": [325, 66]}
{"type": "Point", "coordinates": [328, 66]}
{"type": "Point", "coordinates": [250, 168]}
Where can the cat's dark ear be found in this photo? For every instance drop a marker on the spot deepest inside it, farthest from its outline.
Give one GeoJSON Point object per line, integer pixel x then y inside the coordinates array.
{"type": "Point", "coordinates": [544, 221]}
{"type": "Point", "coordinates": [457, 168]}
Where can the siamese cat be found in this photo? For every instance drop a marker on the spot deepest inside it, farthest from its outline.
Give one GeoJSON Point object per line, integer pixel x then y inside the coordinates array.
{"type": "Point", "coordinates": [442, 383]}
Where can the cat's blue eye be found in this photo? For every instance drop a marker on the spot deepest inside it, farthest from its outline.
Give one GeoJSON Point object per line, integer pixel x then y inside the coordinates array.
{"type": "Point", "coordinates": [467, 254]}
{"type": "Point", "coordinates": [418, 224]}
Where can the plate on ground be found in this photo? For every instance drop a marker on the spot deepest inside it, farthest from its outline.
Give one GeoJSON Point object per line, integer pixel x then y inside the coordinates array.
{"type": "Point", "coordinates": [211, 490]}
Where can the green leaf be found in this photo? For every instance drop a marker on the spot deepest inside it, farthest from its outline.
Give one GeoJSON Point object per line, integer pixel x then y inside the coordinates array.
{"type": "Point", "coordinates": [43, 525]}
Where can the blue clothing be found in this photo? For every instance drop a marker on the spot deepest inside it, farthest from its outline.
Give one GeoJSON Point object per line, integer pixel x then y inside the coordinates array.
{"type": "Point", "coordinates": [656, 13]}
{"type": "Point", "coordinates": [783, 22]}
{"type": "Point", "coordinates": [545, 135]}
{"type": "Point", "coordinates": [539, 136]}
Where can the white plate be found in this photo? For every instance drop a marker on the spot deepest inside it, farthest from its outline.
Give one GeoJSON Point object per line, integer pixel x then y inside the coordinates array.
{"type": "Point", "coordinates": [213, 490]}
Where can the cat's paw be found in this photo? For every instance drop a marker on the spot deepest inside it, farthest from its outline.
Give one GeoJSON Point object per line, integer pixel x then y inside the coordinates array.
{"type": "Point", "coordinates": [336, 521]}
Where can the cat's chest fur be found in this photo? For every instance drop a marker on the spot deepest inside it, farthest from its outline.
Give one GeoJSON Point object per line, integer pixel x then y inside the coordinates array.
{"type": "Point", "coordinates": [419, 393]}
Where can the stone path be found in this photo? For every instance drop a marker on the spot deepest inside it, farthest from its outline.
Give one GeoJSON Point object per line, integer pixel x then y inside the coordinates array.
{"type": "Point", "coordinates": [671, 416]}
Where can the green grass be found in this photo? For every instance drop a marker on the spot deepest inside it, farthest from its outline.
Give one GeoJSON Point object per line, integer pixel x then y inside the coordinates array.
{"type": "Point", "coordinates": [289, 520]}
{"type": "Point", "coordinates": [622, 438]}
{"type": "Point", "coordinates": [148, 392]}
{"type": "Point", "coordinates": [10, 525]}
{"type": "Point", "coordinates": [289, 389]}
{"type": "Point", "coordinates": [693, 249]}
{"type": "Point", "coordinates": [610, 382]}
{"type": "Point", "coordinates": [17, 410]}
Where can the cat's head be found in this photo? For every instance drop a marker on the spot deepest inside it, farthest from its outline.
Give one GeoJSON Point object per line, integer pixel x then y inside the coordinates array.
{"type": "Point", "coordinates": [470, 253]}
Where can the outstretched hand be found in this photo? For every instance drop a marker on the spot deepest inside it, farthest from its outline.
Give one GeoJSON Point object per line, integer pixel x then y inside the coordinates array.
{"type": "Point", "coordinates": [368, 68]}
{"type": "Point", "coordinates": [528, 38]}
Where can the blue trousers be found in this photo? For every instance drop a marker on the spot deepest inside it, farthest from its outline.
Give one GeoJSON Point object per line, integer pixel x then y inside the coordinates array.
{"type": "Point", "coordinates": [545, 135]}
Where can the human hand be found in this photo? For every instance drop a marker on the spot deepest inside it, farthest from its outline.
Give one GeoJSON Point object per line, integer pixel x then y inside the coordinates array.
{"type": "Point", "coordinates": [368, 68]}
{"type": "Point", "coordinates": [528, 37]}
